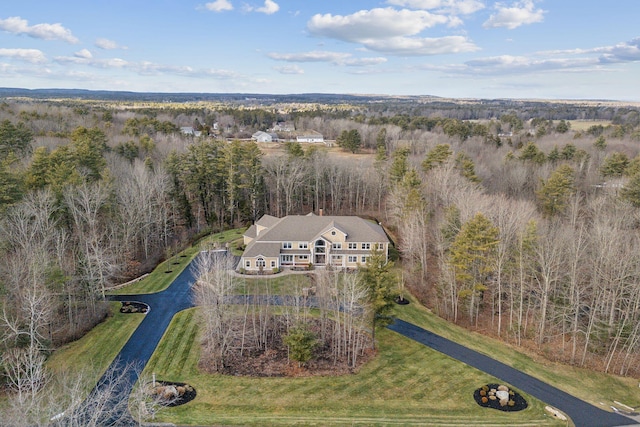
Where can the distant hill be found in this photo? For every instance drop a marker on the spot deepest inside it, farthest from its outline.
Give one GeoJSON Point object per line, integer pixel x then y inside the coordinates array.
{"type": "Point", "coordinates": [191, 97]}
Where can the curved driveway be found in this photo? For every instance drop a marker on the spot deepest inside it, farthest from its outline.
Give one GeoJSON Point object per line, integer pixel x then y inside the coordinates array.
{"type": "Point", "coordinates": [582, 413]}
{"type": "Point", "coordinates": [177, 297]}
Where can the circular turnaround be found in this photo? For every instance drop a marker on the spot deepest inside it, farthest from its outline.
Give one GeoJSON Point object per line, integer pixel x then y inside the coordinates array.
{"type": "Point", "coordinates": [499, 397]}
{"type": "Point", "coordinates": [169, 393]}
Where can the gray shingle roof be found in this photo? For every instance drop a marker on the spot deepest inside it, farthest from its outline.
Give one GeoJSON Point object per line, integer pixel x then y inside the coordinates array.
{"type": "Point", "coordinates": [298, 228]}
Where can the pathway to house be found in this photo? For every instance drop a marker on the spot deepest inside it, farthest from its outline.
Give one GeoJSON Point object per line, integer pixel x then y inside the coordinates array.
{"type": "Point", "coordinates": [177, 297]}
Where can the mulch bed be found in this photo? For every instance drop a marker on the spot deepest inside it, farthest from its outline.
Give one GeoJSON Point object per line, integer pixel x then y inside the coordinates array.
{"type": "Point", "coordinates": [186, 395]}
{"type": "Point", "coordinates": [519, 402]}
{"type": "Point", "coordinates": [274, 362]}
{"type": "Point", "coordinates": [134, 307]}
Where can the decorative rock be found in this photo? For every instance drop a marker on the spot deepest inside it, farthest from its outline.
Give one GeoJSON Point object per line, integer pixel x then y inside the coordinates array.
{"type": "Point", "coordinates": [503, 388]}
{"type": "Point", "coordinates": [502, 394]}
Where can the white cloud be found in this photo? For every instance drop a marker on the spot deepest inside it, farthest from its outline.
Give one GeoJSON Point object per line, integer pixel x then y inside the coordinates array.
{"type": "Point", "coordinates": [313, 56]}
{"type": "Point", "coordinates": [622, 52]}
{"type": "Point", "coordinates": [107, 44]}
{"type": "Point", "coordinates": [289, 69]}
{"type": "Point", "coordinates": [391, 31]}
{"type": "Point", "coordinates": [412, 46]}
{"type": "Point", "coordinates": [29, 55]}
{"type": "Point", "coordinates": [373, 24]}
{"type": "Point", "coordinates": [17, 25]}
{"type": "Point", "coordinates": [511, 17]}
{"type": "Point", "coordinates": [464, 7]}
{"type": "Point", "coordinates": [84, 53]}
{"type": "Point", "coordinates": [270, 7]}
{"type": "Point", "coordinates": [336, 58]}
{"type": "Point", "coordinates": [92, 62]}
{"type": "Point", "coordinates": [219, 6]}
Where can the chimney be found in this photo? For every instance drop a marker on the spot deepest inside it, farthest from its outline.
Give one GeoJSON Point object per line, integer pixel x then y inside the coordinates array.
{"type": "Point", "coordinates": [320, 212]}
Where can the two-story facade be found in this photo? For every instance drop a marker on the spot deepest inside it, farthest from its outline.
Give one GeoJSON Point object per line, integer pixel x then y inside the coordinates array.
{"type": "Point", "coordinates": [297, 241]}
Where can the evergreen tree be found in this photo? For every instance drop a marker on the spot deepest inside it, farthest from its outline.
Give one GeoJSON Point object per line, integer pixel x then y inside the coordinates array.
{"type": "Point", "coordinates": [614, 165]}
{"type": "Point", "coordinates": [470, 257]}
{"type": "Point", "coordinates": [350, 140]}
{"type": "Point", "coordinates": [399, 165]}
{"type": "Point", "coordinates": [301, 342]}
{"type": "Point", "coordinates": [437, 156]}
{"type": "Point", "coordinates": [380, 281]}
{"type": "Point", "coordinates": [554, 193]}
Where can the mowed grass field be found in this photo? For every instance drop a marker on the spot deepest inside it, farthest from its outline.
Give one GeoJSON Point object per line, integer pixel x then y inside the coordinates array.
{"type": "Point", "coordinates": [406, 384]}
{"type": "Point", "coordinates": [93, 353]}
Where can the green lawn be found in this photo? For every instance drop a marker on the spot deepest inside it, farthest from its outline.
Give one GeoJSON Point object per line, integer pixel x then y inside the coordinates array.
{"type": "Point", "coordinates": [166, 272]}
{"type": "Point", "coordinates": [596, 388]}
{"type": "Point", "coordinates": [95, 351]}
{"type": "Point", "coordinates": [406, 384]}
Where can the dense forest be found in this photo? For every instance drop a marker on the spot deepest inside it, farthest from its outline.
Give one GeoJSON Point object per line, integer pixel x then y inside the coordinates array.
{"type": "Point", "coordinates": [512, 218]}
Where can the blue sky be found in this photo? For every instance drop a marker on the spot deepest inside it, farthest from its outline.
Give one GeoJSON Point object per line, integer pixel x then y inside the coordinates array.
{"type": "Point", "coordinates": [558, 49]}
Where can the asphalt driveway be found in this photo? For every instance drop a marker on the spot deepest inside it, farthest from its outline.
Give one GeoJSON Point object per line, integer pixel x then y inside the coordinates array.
{"type": "Point", "coordinates": [582, 413]}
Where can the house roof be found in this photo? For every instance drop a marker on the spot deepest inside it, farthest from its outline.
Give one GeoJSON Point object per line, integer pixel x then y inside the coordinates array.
{"type": "Point", "coordinates": [298, 228]}
{"type": "Point", "coordinates": [256, 248]}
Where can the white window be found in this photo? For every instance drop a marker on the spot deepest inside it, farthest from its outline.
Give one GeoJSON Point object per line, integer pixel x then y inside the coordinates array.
{"type": "Point", "coordinates": [364, 259]}
{"type": "Point", "coordinates": [353, 246]}
{"type": "Point", "coordinates": [287, 258]}
{"type": "Point", "coordinates": [273, 264]}
{"type": "Point", "coordinates": [247, 264]}
{"type": "Point", "coordinates": [286, 245]}
{"type": "Point", "coordinates": [333, 232]}
{"type": "Point", "coordinates": [303, 257]}
{"type": "Point", "coordinates": [260, 262]}
{"type": "Point", "coordinates": [353, 258]}
{"type": "Point", "coordinates": [366, 246]}
{"type": "Point", "coordinates": [303, 245]}
{"type": "Point", "coordinates": [336, 258]}
{"type": "Point", "coordinates": [336, 245]}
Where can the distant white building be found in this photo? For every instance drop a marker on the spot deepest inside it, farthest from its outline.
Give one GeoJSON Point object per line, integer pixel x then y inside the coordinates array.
{"type": "Point", "coordinates": [310, 137]}
{"type": "Point", "coordinates": [283, 127]}
{"type": "Point", "coordinates": [261, 136]}
{"type": "Point", "coordinates": [188, 130]}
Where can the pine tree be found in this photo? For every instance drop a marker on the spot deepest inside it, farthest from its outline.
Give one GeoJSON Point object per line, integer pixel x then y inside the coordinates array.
{"type": "Point", "coordinates": [439, 155]}
{"type": "Point", "coordinates": [470, 257]}
{"type": "Point", "coordinates": [380, 281]}
{"type": "Point", "coordinates": [554, 193]}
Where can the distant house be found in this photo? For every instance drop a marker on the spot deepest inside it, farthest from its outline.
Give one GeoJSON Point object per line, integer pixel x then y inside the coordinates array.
{"type": "Point", "coordinates": [283, 127]}
{"type": "Point", "coordinates": [298, 241]}
{"type": "Point", "coordinates": [261, 136]}
{"type": "Point", "coordinates": [188, 130]}
{"type": "Point", "coordinates": [310, 137]}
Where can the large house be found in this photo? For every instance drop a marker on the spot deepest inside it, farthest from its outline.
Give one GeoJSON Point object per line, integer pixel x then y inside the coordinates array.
{"type": "Point", "coordinates": [311, 136]}
{"type": "Point", "coordinates": [261, 136]}
{"type": "Point", "coordinates": [298, 241]}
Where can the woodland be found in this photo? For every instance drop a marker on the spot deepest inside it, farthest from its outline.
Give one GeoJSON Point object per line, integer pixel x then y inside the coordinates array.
{"type": "Point", "coordinates": [518, 220]}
